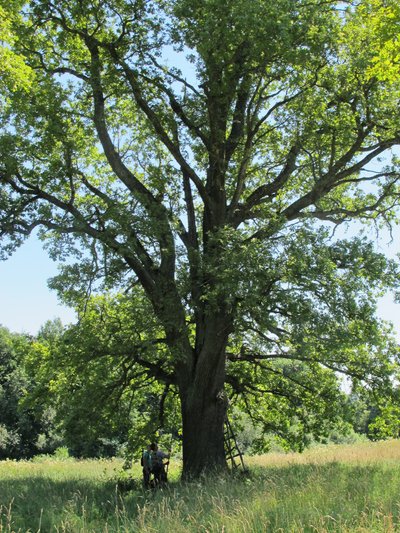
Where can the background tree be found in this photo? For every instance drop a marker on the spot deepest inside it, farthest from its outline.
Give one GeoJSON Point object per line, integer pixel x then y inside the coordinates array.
{"type": "Point", "coordinates": [206, 184]}
{"type": "Point", "coordinates": [24, 430]}
{"type": "Point", "coordinates": [104, 400]}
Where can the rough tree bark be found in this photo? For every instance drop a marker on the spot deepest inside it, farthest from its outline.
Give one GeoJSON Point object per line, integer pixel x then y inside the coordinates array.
{"type": "Point", "coordinates": [204, 403]}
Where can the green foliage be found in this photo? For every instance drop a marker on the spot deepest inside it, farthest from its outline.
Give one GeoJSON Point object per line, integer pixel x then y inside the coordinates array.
{"type": "Point", "coordinates": [376, 24]}
{"type": "Point", "coordinates": [386, 424]}
{"type": "Point", "coordinates": [93, 374]}
{"type": "Point", "coordinates": [319, 309]}
{"type": "Point", "coordinates": [24, 430]}
{"type": "Point", "coordinates": [15, 74]}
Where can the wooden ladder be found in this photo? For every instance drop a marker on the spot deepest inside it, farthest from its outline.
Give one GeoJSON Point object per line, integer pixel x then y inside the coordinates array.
{"type": "Point", "coordinates": [232, 451]}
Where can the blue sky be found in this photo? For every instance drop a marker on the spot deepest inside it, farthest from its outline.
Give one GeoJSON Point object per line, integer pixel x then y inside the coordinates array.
{"type": "Point", "coordinates": [26, 302]}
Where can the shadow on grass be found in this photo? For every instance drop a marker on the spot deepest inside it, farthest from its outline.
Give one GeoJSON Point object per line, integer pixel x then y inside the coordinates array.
{"type": "Point", "coordinates": [33, 502]}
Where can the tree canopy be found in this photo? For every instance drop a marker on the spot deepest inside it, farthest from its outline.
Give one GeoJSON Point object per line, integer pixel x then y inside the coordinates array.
{"type": "Point", "coordinates": [195, 156]}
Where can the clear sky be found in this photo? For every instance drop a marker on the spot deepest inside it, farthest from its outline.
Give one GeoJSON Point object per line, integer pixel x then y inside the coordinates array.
{"type": "Point", "coordinates": [26, 302]}
{"type": "Point", "coordinates": [390, 246]}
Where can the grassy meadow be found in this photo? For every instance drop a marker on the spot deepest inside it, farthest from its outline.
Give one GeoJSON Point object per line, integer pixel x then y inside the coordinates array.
{"type": "Point", "coordinates": [346, 488]}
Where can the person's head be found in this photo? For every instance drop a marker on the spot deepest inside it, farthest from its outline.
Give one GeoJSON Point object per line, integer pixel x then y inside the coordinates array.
{"type": "Point", "coordinates": [153, 447]}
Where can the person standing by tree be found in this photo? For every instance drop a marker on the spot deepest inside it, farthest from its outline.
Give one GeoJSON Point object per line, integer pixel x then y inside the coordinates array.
{"type": "Point", "coordinates": [146, 464]}
{"type": "Point", "coordinates": [157, 464]}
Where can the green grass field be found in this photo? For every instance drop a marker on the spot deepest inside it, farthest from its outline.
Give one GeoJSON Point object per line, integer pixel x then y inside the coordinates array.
{"type": "Point", "coordinates": [354, 488]}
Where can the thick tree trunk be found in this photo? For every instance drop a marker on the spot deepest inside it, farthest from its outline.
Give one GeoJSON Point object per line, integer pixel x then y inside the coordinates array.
{"type": "Point", "coordinates": [203, 418]}
{"type": "Point", "coordinates": [204, 405]}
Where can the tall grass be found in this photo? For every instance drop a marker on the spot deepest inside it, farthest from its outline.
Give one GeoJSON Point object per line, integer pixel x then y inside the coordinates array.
{"type": "Point", "coordinates": [354, 488]}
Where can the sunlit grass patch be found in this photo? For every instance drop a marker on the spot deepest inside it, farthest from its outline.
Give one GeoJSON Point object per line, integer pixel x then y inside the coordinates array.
{"type": "Point", "coordinates": [349, 453]}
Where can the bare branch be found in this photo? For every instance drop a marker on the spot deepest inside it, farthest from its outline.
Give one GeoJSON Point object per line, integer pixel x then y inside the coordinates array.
{"type": "Point", "coordinates": [178, 109]}
{"type": "Point", "coordinates": [335, 176]}
{"type": "Point", "coordinates": [155, 121]}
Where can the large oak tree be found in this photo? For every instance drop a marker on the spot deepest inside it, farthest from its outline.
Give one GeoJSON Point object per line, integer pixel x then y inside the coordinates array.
{"type": "Point", "coordinates": [195, 152]}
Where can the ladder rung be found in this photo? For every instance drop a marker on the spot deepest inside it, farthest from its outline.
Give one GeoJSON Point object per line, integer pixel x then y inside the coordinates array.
{"type": "Point", "coordinates": [230, 445]}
